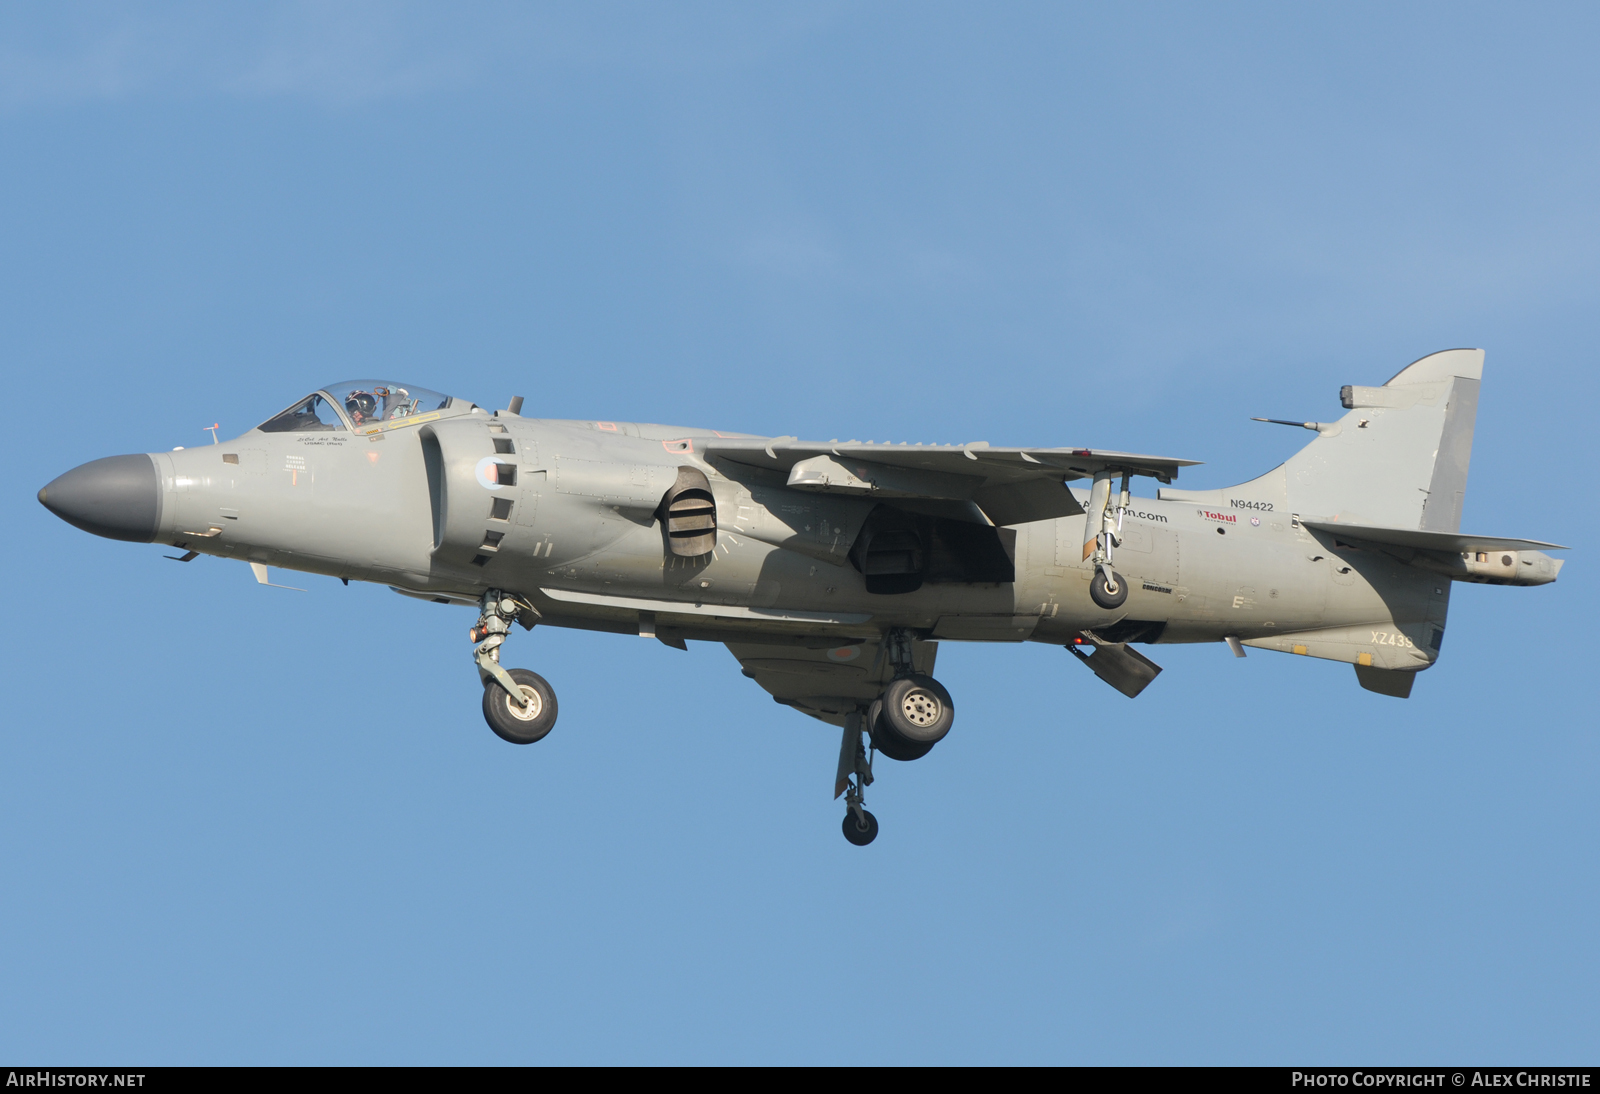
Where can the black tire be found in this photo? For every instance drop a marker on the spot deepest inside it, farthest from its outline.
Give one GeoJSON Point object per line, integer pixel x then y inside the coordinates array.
{"type": "Point", "coordinates": [1102, 595]}
{"type": "Point", "coordinates": [914, 715]}
{"type": "Point", "coordinates": [858, 833]}
{"type": "Point", "coordinates": [892, 745]}
{"type": "Point", "coordinates": [509, 722]}
{"type": "Point", "coordinates": [918, 709]}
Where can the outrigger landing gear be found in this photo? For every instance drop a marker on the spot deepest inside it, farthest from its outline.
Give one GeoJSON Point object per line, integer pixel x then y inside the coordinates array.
{"type": "Point", "coordinates": [855, 775]}
{"type": "Point", "coordinates": [519, 705]}
{"type": "Point", "coordinates": [1106, 588]}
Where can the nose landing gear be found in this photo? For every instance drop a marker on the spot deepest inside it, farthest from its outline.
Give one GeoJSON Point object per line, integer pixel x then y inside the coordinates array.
{"type": "Point", "coordinates": [519, 705]}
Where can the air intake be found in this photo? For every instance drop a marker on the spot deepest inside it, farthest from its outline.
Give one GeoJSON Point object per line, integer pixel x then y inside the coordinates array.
{"type": "Point", "coordinates": [691, 514]}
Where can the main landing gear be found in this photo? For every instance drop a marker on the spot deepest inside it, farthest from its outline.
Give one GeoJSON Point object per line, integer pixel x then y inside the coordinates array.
{"type": "Point", "coordinates": [519, 705]}
{"type": "Point", "coordinates": [913, 714]}
{"type": "Point", "coordinates": [904, 723]}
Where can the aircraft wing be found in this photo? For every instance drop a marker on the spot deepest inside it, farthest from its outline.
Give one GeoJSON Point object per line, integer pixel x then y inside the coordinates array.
{"type": "Point", "coordinates": [826, 683]}
{"type": "Point", "coordinates": [1010, 485]}
{"type": "Point", "coordinates": [1448, 542]}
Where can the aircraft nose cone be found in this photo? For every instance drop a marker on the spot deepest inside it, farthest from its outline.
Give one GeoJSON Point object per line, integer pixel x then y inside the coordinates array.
{"type": "Point", "coordinates": [118, 497]}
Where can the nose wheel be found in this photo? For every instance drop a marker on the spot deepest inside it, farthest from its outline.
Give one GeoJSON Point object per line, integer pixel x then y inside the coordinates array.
{"type": "Point", "coordinates": [525, 719]}
{"type": "Point", "coordinates": [519, 705]}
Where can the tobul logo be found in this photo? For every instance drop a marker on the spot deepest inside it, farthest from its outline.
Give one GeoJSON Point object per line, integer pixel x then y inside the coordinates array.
{"type": "Point", "coordinates": [1225, 518]}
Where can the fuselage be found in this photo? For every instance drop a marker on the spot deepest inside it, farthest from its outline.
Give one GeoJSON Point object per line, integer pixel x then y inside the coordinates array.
{"type": "Point", "coordinates": [446, 505]}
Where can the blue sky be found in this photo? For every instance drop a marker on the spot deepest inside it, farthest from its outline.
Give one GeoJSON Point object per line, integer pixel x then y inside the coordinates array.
{"type": "Point", "coordinates": [248, 825]}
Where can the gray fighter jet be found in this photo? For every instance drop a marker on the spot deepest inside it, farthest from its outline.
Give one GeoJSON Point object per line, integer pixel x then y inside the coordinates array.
{"type": "Point", "coordinates": [833, 569]}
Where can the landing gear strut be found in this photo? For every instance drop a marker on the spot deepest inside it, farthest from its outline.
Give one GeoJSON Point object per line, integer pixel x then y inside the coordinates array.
{"type": "Point", "coordinates": [914, 712]}
{"type": "Point", "coordinates": [855, 775]}
{"type": "Point", "coordinates": [1106, 588]}
{"type": "Point", "coordinates": [904, 723]}
{"type": "Point", "coordinates": [519, 705]}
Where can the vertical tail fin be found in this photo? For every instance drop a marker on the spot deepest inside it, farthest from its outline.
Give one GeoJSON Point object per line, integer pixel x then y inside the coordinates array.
{"type": "Point", "coordinates": [1397, 459]}
{"type": "Point", "coordinates": [1448, 488]}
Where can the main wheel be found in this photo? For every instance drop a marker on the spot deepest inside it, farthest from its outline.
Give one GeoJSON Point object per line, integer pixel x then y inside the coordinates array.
{"type": "Point", "coordinates": [915, 714]}
{"type": "Point", "coordinates": [858, 833]}
{"type": "Point", "coordinates": [513, 721]}
{"type": "Point", "coordinates": [1103, 595]}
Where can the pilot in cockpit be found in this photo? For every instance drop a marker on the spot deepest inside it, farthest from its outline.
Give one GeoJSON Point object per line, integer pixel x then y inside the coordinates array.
{"type": "Point", "coordinates": [361, 406]}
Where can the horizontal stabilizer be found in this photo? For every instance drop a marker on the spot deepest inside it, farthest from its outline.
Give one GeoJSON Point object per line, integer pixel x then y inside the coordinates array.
{"type": "Point", "coordinates": [1430, 541]}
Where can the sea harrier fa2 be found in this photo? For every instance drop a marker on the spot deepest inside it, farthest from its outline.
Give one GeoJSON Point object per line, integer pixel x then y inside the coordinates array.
{"type": "Point", "coordinates": [833, 569]}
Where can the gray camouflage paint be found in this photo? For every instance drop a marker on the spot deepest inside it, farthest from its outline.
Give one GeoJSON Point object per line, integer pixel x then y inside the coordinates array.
{"type": "Point", "coordinates": [413, 504]}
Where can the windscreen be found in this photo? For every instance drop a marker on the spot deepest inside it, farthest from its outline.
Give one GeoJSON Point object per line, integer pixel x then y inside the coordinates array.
{"type": "Point", "coordinates": [313, 414]}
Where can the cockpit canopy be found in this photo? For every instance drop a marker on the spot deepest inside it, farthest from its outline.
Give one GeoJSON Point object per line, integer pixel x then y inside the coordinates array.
{"type": "Point", "coordinates": [355, 404]}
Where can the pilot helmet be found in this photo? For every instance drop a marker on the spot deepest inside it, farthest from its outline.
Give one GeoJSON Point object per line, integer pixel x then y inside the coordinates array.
{"type": "Point", "coordinates": [361, 405]}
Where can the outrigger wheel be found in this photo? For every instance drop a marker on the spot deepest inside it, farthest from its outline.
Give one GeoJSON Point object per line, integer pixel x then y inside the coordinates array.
{"type": "Point", "coordinates": [1104, 594]}
{"type": "Point", "coordinates": [523, 720]}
